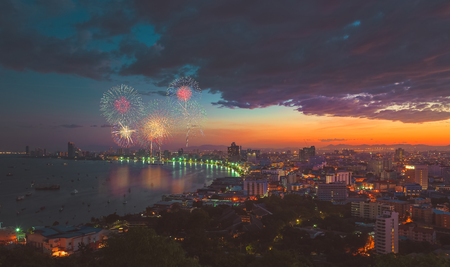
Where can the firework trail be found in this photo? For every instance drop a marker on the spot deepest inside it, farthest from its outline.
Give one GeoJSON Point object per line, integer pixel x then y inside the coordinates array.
{"type": "Point", "coordinates": [122, 104]}
{"type": "Point", "coordinates": [124, 136]}
{"type": "Point", "coordinates": [157, 126]}
{"type": "Point", "coordinates": [184, 93]}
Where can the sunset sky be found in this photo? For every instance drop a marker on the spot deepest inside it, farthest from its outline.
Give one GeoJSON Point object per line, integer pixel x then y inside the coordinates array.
{"type": "Point", "coordinates": [273, 73]}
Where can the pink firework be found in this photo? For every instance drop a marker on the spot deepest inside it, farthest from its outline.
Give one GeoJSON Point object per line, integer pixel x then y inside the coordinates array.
{"type": "Point", "coordinates": [184, 93]}
{"type": "Point", "coordinates": [122, 104]}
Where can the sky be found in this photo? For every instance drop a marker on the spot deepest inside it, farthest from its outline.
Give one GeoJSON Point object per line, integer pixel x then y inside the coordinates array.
{"type": "Point", "coordinates": [273, 73]}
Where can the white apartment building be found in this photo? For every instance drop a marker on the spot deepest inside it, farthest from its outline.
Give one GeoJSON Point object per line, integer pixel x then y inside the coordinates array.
{"type": "Point", "coordinates": [386, 233]}
{"type": "Point", "coordinates": [369, 210]}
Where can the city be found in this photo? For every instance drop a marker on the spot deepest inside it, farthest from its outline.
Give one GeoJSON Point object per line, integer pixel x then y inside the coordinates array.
{"type": "Point", "coordinates": [224, 133]}
{"type": "Point", "coordinates": [375, 202]}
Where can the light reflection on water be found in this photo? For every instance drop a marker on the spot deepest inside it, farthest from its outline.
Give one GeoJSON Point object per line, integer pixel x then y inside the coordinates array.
{"type": "Point", "coordinates": [139, 184]}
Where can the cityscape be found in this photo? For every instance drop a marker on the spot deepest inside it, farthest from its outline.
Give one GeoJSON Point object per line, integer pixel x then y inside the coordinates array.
{"type": "Point", "coordinates": [224, 133]}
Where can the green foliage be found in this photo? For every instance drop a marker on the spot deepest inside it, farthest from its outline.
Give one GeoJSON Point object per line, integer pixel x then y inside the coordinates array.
{"type": "Point", "coordinates": [24, 256]}
{"type": "Point", "coordinates": [143, 247]}
{"type": "Point", "coordinates": [391, 260]}
{"type": "Point", "coordinates": [280, 258]}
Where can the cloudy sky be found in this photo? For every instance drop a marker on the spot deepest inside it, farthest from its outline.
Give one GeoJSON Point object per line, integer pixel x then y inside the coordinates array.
{"type": "Point", "coordinates": [273, 73]}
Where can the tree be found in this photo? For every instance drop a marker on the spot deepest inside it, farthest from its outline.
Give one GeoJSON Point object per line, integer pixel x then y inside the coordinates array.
{"type": "Point", "coordinates": [143, 247]}
{"type": "Point", "coordinates": [280, 258]}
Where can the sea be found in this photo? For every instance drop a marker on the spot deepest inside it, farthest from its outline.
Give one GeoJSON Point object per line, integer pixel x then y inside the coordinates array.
{"type": "Point", "coordinates": [102, 188]}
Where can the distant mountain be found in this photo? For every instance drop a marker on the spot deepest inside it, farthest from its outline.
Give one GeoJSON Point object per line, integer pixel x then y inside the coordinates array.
{"type": "Point", "coordinates": [407, 147]}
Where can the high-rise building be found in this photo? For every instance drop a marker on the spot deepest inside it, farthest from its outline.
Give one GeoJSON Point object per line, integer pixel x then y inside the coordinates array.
{"type": "Point", "coordinates": [307, 152]}
{"type": "Point", "coordinates": [339, 177]}
{"type": "Point", "coordinates": [180, 152]}
{"type": "Point", "coordinates": [399, 154]}
{"type": "Point", "coordinates": [234, 153]}
{"type": "Point", "coordinates": [334, 192]}
{"type": "Point", "coordinates": [421, 176]}
{"type": "Point", "coordinates": [255, 187]}
{"type": "Point", "coordinates": [27, 150]}
{"type": "Point", "coordinates": [71, 150]}
{"type": "Point", "coordinates": [386, 233]}
{"type": "Point", "coordinates": [120, 151]}
{"type": "Point", "coordinates": [417, 174]}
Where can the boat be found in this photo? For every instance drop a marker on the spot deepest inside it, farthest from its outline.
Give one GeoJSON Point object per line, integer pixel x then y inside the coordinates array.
{"type": "Point", "coordinates": [108, 201]}
{"type": "Point", "coordinates": [43, 208]}
{"type": "Point", "coordinates": [9, 174]}
{"type": "Point", "coordinates": [61, 209]}
{"type": "Point", "coordinates": [47, 187]}
{"type": "Point", "coordinates": [29, 194]}
{"type": "Point", "coordinates": [125, 202]}
{"type": "Point", "coordinates": [74, 192]}
{"type": "Point", "coordinates": [20, 198]}
{"type": "Point", "coordinates": [65, 164]}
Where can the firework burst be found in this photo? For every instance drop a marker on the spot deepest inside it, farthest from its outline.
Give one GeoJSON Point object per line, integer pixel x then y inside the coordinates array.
{"type": "Point", "coordinates": [184, 89]}
{"type": "Point", "coordinates": [158, 125]}
{"type": "Point", "coordinates": [184, 93]}
{"type": "Point", "coordinates": [124, 136]}
{"type": "Point", "coordinates": [122, 104]}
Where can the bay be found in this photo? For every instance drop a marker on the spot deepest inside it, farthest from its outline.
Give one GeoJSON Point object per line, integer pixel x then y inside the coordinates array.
{"type": "Point", "coordinates": [97, 182]}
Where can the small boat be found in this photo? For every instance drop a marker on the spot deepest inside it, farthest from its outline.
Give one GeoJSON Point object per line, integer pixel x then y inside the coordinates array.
{"type": "Point", "coordinates": [125, 202]}
{"type": "Point", "coordinates": [9, 174]}
{"type": "Point", "coordinates": [43, 208]}
{"type": "Point", "coordinates": [20, 198]}
{"type": "Point", "coordinates": [74, 192]}
{"type": "Point", "coordinates": [61, 209]}
{"type": "Point", "coordinates": [108, 201]}
{"type": "Point", "coordinates": [65, 164]}
{"type": "Point", "coordinates": [29, 194]}
{"type": "Point", "coordinates": [18, 212]}
{"type": "Point", "coordinates": [26, 169]}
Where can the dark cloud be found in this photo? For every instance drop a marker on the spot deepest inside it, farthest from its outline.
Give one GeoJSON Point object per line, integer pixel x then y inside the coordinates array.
{"type": "Point", "coordinates": [315, 56]}
{"type": "Point", "coordinates": [28, 49]}
{"type": "Point", "coordinates": [376, 59]}
{"type": "Point", "coordinates": [71, 126]}
{"type": "Point", "coordinates": [332, 140]}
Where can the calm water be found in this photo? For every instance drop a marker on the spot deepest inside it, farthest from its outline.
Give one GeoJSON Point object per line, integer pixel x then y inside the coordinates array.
{"type": "Point", "coordinates": [141, 185]}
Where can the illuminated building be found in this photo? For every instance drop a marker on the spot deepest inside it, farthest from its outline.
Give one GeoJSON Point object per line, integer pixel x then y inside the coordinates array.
{"type": "Point", "coordinates": [369, 210]}
{"type": "Point", "coordinates": [399, 154]}
{"type": "Point", "coordinates": [334, 192]}
{"type": "Point", "coordinates": [386, 233]}
{"type": "Point", "coordinates": [180, 152]}
{"type": "Point", "coordinates": [339, 177]}
{"type": "Point", "coordinates": [234, 153]}
{"type": "Point", "coordinates": [412, 189]}
{"type": "Point", "coordinates": [378, 166]}
{"type": "Point", "coordinates": [255, 187]}
{"type": "Point", "coordinates": [417, 174]}
{"type": "Point", "coordinates": [71, 150]}
{"type": "Point", "coordinates": [417, 234]}
{"type": "Point", "coordinates": [442, 218]}
{"type": "Point", "coordinates": [63, 240]}
{"type": "Point", "coordinates": [307, 152]}
{"type": "Point", "coordinates": [400, 207]}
